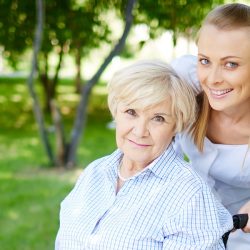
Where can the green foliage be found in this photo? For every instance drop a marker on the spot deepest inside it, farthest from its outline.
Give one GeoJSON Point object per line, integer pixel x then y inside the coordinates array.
{"type": "Point", "coordinates": [31, 191]}
{"type": "Point", "coordinates": [16, 28]}
{"type": "Point", "coordinates": [78, 27]}
{"type": "Point", "coordinates": [180, 16]}
{"type": "Point", "coordinates": [68, 26]}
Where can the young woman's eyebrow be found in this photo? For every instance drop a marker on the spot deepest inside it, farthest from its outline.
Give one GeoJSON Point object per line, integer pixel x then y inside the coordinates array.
{"type": "Point", "coordinates": [162, 114]}
{"type": "Point", "coordinates": [230, 57]}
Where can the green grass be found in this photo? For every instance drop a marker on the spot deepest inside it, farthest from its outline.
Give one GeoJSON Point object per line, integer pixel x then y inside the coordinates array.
{"type": "Point", "coordinates": [31, 191]}
{"type": "Point", "coordinates": [29, 210]}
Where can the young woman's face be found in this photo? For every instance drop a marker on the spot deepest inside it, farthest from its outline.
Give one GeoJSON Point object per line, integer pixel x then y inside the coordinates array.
{"type": "Point", "coordinates": [224, 67]}
{"type": "Point", "coordinates": [142, 134]}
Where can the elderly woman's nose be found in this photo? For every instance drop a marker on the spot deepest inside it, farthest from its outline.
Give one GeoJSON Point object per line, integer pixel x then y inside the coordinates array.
{"type": "Point", "coordinates": [140, 128]}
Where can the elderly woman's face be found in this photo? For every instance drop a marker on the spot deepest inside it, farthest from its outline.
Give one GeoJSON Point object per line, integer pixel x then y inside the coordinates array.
{"type": "Point", "coordinates": [143, 135]}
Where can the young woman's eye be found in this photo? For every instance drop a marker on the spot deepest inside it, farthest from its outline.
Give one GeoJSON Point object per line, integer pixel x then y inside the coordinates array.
{"type": "Point", "coordinates": [159, 118]}
{"type": "Point", "coordinates": [131, 112]}
{"type": "Point", "coordinates": [204, 61]}
{"type": "Point", "coordinates": [231, 65]}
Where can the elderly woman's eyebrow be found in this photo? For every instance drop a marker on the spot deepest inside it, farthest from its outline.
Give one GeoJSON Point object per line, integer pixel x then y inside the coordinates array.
{"type": "Point", "coordinates": [163, 114]}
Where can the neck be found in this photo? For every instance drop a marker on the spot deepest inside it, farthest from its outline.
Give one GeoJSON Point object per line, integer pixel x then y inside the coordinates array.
{"type": "Point", "coordinates": [132, 166]}
{"type": "Point", "coordinates": [129, 169]}
{"type": "Point", "coordinates": [236, 115]}
{"type": "Point", "coordinates": [229, 127]}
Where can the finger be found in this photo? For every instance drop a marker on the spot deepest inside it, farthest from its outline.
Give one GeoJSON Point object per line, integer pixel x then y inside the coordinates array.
{"type": "Point", "coordinates": [246, 229]}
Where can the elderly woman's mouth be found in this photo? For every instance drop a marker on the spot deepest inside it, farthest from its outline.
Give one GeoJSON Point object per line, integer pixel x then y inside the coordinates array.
{"type": "Point", "coordinates": [139, 144]}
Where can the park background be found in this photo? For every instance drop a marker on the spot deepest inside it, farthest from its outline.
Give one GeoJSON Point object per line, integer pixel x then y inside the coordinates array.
{"type": "Point", "coordinates": [55, 60]}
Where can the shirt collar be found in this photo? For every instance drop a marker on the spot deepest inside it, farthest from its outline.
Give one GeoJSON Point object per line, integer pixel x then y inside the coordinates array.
{"type": "Point", "coordinates": [159, 166]}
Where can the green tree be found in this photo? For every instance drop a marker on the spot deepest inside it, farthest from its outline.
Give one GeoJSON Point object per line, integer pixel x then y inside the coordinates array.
{"type": "Point", "coordinates": [78, 28]}
{"type": "Point", "coordinates": [66, 151]}
{"type": "Point", "coordinates": [69, 28]}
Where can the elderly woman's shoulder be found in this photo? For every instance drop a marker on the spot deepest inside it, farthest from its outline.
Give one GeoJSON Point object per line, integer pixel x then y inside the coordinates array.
{"type": "Point", "coordinates": [185, 175]}
{"type": "Point", "coordinates": [185, 186]}
{"type": "Point", "coordinates": [104, 161]}
{"type": "Point", "coordinates": [97, 167]}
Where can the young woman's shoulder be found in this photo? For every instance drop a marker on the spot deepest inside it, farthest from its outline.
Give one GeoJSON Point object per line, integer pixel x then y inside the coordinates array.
{"type": "Point", "coordinates": [185, 66]}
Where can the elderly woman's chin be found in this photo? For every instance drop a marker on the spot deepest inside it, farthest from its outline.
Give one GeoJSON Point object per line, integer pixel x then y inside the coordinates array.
{"type": "Point", "coordinates": [141, 157]}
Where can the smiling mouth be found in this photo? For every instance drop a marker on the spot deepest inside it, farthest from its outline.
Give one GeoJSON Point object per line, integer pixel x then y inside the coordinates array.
{"type": "Point", "coordinates": [139, 144]}
{"type": "Point", "coordinates": [220, 92]}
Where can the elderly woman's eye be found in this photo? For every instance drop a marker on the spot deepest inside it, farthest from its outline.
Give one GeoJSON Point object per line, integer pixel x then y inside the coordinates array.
{"type": "Point", "coordinates": [131, 112]}
{"type": "Point", "coordinates": [159, 118]}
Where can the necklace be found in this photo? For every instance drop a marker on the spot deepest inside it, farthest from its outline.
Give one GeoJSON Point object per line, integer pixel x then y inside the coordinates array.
{"type": "Point", "coordinates": [129, 178]}
{"type": "Point", "coordinates": [121, 177]}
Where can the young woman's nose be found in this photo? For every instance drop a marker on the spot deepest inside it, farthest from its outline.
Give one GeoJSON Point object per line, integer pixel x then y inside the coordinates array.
{"type": "Point", "coordinates": [214, 75]}
{"type": "Point", "coordinates": [140, 128]}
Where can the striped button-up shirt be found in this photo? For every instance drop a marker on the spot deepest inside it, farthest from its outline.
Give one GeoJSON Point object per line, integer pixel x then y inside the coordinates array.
{"type": "Point", "coordinates": [167, 206]}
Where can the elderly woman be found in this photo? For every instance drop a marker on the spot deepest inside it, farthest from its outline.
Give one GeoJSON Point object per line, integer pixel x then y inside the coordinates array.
{"type": "Point", "coordinates": [143, 196]}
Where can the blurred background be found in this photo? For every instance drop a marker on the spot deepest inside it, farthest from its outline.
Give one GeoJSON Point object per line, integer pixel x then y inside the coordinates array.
{"type": "Point", "coordinates": [56, 58]}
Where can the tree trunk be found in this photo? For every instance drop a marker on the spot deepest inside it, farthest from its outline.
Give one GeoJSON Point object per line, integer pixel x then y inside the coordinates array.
{"type": "Point", "coordinates": [80, 119]}
{"type": "Point", "coordinates": [49, 85]}
{"type": "Point", "coordinates": [44, 77]}
{"type": "Point", "coordinates": [78, 70]}
{"type": "Point", "coordinates": [59, 134]}
{"type": "Point", "coordinates": [30, 82]}
{"type": "Point", "coordinates": [54, 82]}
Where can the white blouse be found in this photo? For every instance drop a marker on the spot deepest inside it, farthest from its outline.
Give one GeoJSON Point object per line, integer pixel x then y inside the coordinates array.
{"type": "Point", "coordinates": [222, 167]}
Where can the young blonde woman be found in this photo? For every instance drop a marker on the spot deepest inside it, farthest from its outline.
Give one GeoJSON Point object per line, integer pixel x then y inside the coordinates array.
{"type": "Point", "coordinates": [219, 146]}
{"type": "Point", "coordinates": [143, 196]}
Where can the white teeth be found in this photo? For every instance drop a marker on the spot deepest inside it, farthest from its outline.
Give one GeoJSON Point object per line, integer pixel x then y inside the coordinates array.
{"type": "Point", "coordinates": [220, 92]}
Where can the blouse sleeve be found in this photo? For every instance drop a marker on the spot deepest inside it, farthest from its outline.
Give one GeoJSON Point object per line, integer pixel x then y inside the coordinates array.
{"type": "Point", "coordinates": [200, 224]}
{"type": "Point", "coordinates": [186, 68]}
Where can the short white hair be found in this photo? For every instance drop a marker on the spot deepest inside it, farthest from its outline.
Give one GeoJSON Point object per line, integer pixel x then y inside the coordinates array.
{"type": "Point", "coordinates": [147, 83]}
